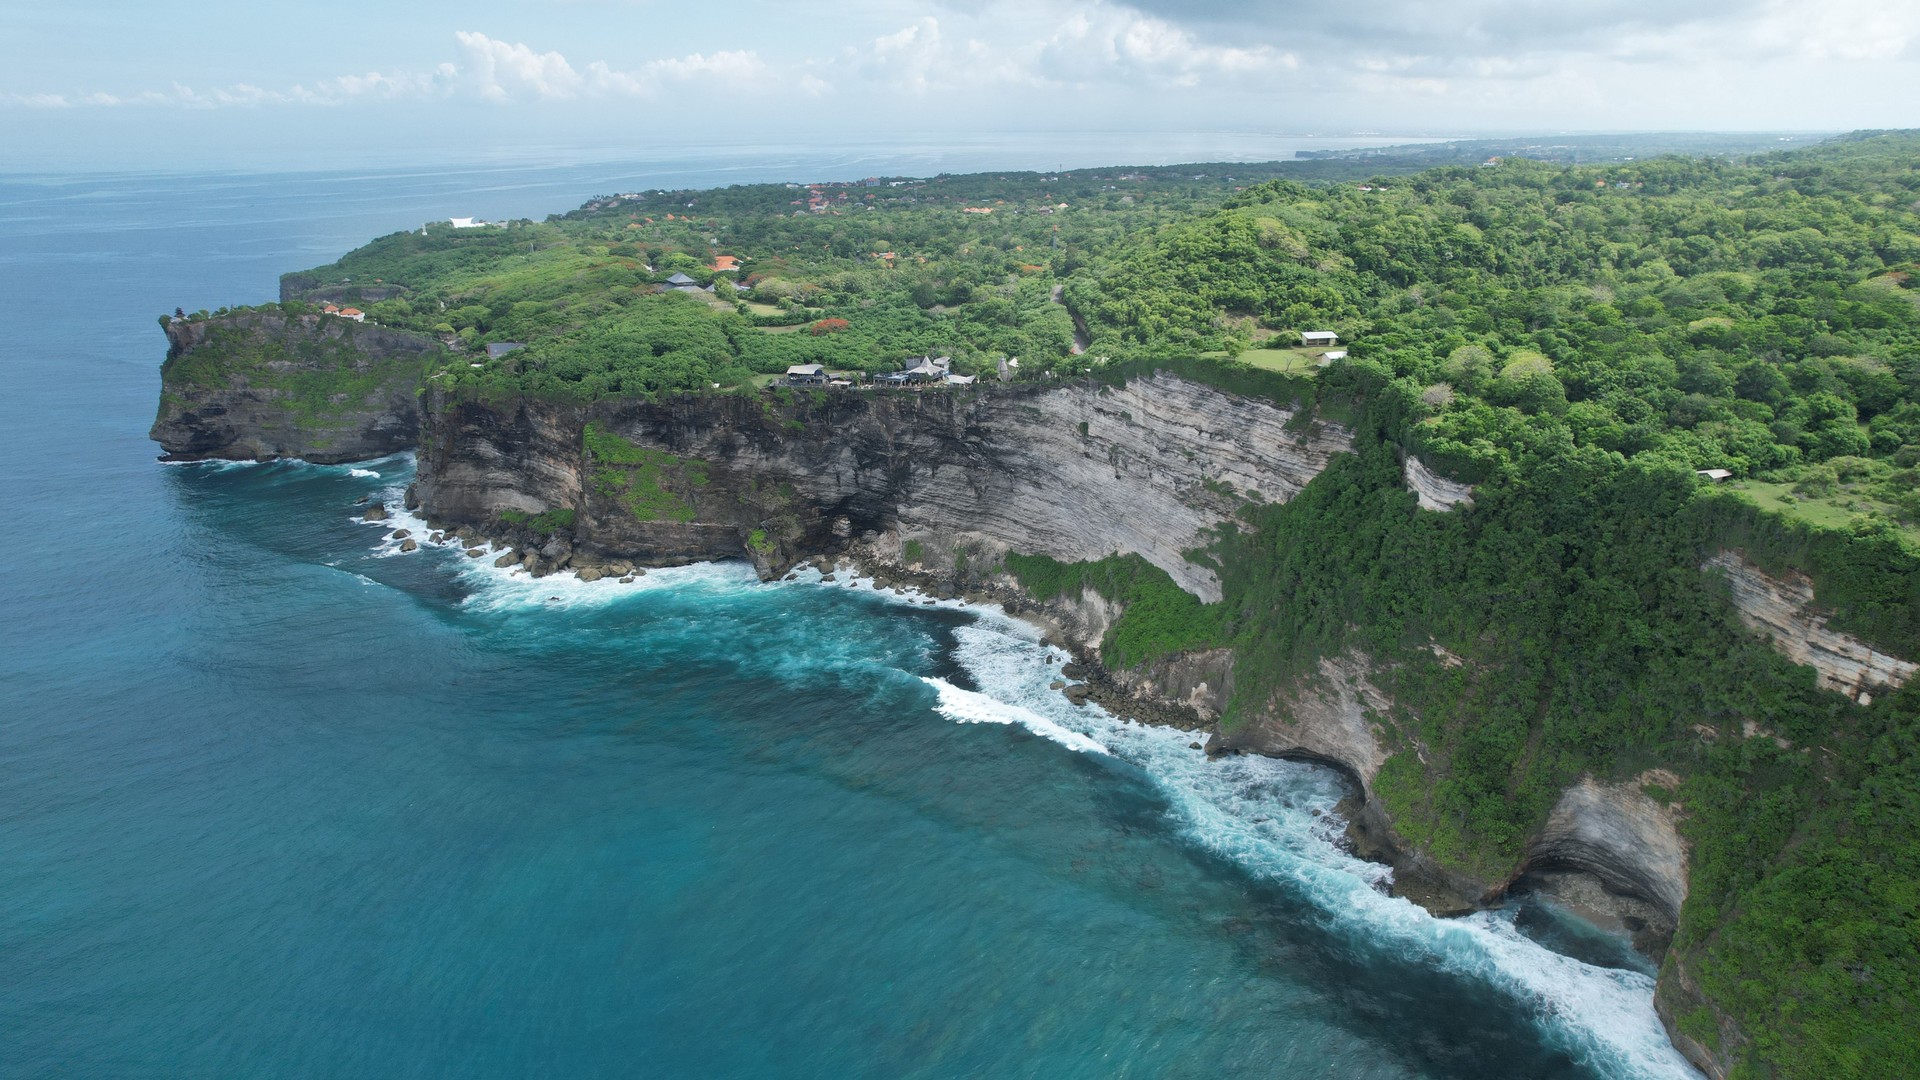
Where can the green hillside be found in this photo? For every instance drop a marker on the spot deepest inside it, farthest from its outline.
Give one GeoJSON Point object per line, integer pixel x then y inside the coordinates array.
{"type": "Point", "coordinates": [1576, 340]}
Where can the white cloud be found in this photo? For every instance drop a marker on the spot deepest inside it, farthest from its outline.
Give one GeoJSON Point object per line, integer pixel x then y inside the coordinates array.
{"type": "Point", "coordinates": [489, 70]}
{"type": "Point", "coordinates": [500, 71]}
{"type": "Point", "coordinates": [724, 68]}
{"type": "Point", "coordinates": [1050, 45]}
{"type": "Point", "coordinates": [1155, 63]}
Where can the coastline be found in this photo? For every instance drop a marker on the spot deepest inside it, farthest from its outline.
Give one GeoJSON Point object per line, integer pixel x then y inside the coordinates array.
{"type": "Point", "coordinates": [867, 565]}
{"type": "Point", "coordinates": [1360, 888]}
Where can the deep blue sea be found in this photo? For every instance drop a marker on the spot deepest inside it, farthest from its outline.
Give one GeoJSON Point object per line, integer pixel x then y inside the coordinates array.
{"type": "Point", "coordinates": [279, 801]}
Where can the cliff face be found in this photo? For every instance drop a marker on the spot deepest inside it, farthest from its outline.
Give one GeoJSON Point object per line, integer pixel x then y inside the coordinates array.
{"type": "Point", "coordinates": [1783, 611]}
{"type": "Point", "coordinates": [261, 385]}
{"type": "Point", "coordinates": [1620, 838]}
{"type": "Point", "coordinates": [1434, 491]}
{"type": "Point", "coordinates": [1324, 718]}
{"type": "Point", "coordinates": [1079, 471]}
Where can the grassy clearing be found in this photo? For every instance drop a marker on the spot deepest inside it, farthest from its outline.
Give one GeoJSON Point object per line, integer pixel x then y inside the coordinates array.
{"type": "Point", "coordinates": [1284, 361]}
{"type": "Point", "coordinates": [1827, 512]}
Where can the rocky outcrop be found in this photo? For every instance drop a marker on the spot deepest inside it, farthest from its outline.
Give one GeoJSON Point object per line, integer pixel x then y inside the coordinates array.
{"type": "Point", "coordinates": [1783, 611]}
{"type": "Point", "coordinates": [1331, 717]}
{"type": "Point", "coordinates": [1609, 851]}
{"type": "Point", "coordinates": [259, 385]}
{"type": "Point", "coordinates": [1326, 718]}
{"type": "Point", "coordinates": [1200, 682]}
{"type": "Point", "coordinates": [1618, 837]}
{"type": "Point", "coordinates": [1434, 491]}
{"type": "Point", "coordinates": [1076, 471]}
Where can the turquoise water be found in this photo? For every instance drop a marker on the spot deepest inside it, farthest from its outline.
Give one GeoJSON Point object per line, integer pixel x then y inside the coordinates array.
{"type": "Point", "coordinates": [277, 800]}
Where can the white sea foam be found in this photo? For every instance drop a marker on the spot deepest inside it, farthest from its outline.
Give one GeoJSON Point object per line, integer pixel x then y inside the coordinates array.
{"type": "Point", "coordinates": [216, 464]}
{"type": "Point", "coordinates": [504, 588]}
{"type": "Point", "coordinates": [356, 469]}
{"type": "Point", "coordinates": [851, 580]}
{"type": "Point", "coordinates": [1275, 819]}
{"type": "Point", "coordinates": [967, 707]}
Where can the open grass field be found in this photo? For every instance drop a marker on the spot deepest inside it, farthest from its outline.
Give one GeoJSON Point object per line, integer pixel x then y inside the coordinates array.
{"type": "Point", "coordinates": [1284, 361]}
{"type": "Point", "coordinates": [1829, 512]}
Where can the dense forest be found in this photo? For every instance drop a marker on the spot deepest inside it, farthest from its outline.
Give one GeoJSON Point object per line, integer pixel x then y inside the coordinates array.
{"type": "Point", "coordinates": [1577, 340]}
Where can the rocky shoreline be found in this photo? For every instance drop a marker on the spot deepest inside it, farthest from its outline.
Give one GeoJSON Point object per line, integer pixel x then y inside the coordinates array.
{"type": "Point", "coordinates": [1156, 697]}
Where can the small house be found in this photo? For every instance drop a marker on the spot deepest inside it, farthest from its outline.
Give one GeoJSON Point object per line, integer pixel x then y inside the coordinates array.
{"type": "Point", "coordinates": [353, 313]}
{"type": "Point", "coordinates": [806, 375]}
{"type": "Point", "coordinates": [961, 380]}
{"type": "Point", "coordinates": [679, 280]}
{"type": "Point", "coordinates": [725, 264]}
{"type": "Point", "coordinates": [1319, 337]}
{"type": "Point", "coordinates": [1714, 476]}
{"type": "Point", "coordinates": [1331, 355]}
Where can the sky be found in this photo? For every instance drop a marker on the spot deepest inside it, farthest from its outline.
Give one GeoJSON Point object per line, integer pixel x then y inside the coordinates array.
{"type": "Point", "coordinates": [166, 83]}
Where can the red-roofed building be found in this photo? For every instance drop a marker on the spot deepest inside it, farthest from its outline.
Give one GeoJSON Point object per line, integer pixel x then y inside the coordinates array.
{"type": "Point", "coordinates": [353, 313]}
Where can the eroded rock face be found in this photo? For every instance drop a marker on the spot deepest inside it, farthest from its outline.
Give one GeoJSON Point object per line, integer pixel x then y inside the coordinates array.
{"type": "Point", "coordinates": [1325, 719]}
{"type": "Point", "coordinates": [1434, 491]}
{"type": "Point", "coordinates": [1623, 837]}
{"type": "Point", "coordinates": [1079, 471]}
{"type": "Point", "coordinates": [1199, 681]}
{"type": "Point", "coordinates": [1783, 611]}
{"type": "Point", "coordinates": [257, 386]}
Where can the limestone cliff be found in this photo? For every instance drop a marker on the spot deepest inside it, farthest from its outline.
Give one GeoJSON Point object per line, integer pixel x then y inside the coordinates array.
{"type": "Point", "coordinates": [1609, 850]}
{"type": "Point", "coordinates": [1619, 838]}
{"type": "Point", "coordinates": [259, 385]}
{"type": "Point", "coordinates": [1434, 491]}
{"type": "Point", "coordinates": [1783, 611]}
{"type": "Point", "coordinates": [1327, 718]}
{"type": "Point", "coordinates": [1076, 471]}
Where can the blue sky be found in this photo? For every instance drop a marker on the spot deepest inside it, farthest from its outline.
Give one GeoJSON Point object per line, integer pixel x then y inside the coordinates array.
{"type": "Point", "coordinates": [115, 83]}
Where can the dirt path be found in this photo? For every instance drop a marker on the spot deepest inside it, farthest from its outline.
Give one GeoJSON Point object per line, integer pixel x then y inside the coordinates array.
{"type": "Point", "coordinates": [1081, 339]}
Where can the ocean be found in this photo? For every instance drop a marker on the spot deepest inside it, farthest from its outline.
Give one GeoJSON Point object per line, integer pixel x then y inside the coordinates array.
{"type": "Point", "coordinates": [279, 800]}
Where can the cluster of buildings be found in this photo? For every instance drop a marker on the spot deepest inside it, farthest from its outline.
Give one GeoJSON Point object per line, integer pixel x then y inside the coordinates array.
{"type": "Point", "coordinates": [353, 313]}
{"type": "Point", "coordinates": [916, 371]}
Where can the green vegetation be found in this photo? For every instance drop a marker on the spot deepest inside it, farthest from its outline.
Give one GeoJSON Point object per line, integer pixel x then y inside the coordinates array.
{"type": "Point", "coordinates": [652, 484]}
{"type": "Point", "coordinates": [1575, 339]}
{"type": "Point", "coordinates": [545, 523]}
{"type": "Point", "coordinates": [1578, 342]}
{"type": "Point", "coordinates": [1161, 617]}
{"type": "Point", "coordinates": [320, 379]}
